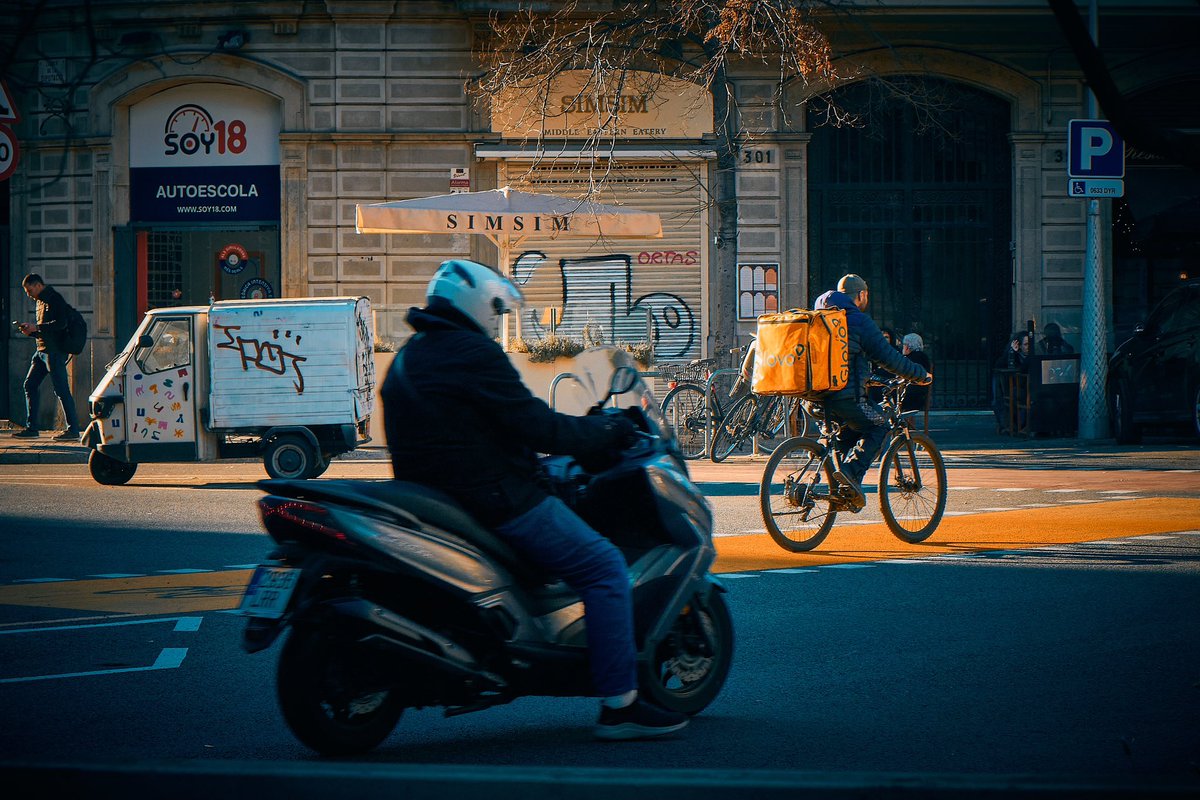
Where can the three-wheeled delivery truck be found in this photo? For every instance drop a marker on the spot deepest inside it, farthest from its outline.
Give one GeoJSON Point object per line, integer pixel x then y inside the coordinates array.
{"type": "Point", "coordinates": [290, 380]}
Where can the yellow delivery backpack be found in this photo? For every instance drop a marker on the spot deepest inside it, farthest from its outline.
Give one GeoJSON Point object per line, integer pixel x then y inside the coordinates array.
{"type": "Point", "coordinates": [801, 353]}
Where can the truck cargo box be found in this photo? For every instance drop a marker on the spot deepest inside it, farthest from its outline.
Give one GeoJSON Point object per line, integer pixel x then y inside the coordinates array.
{"type": "Point", "coordinates": [307, 361]}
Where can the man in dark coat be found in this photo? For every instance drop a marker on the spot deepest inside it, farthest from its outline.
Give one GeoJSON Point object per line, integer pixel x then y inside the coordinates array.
{"type": "Point", "coordinates": [863, 424]}
{"type": "Point", "coordinates": [48, 359]}
{"type": "Point", "coordinates": [458, 418]}
{"type": "Point", "coordinates": [1053, 343]}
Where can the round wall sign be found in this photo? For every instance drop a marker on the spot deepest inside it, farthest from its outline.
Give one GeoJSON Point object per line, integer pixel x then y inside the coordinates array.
{"type": "Point", "coordinates": [257, 289]}
{"type": "Point", "coordinates": [233, 258]}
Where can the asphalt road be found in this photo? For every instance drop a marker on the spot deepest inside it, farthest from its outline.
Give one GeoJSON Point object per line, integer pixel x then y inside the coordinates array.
{"type": "Point", "coordinates": [1064, 649]}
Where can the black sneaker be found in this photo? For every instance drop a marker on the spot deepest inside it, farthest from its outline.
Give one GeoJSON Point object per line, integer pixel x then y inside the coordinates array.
{"type": "Point", "coordinates": [850, 492]}
{"type": "Point", "coordinates": [68, 435]}
{"type": "Point", "coordinates": [638, 720]}
{"type": "Point", "coordinates": [26, 433]}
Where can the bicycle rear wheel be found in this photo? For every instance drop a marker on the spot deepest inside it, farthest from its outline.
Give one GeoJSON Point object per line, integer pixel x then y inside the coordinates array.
{"type": "Point", "coordinates": [686, 412]}
{"type": "Point", "coordinates": [795, 495]}
{"type": "Point", "coordinates": [912, 487]}
{"type": "Point", "coordinates": [732, 434]}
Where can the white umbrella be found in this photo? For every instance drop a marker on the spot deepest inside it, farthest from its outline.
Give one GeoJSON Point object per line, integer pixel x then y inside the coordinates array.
{"type": "Point", "coordinates": [506, 217]}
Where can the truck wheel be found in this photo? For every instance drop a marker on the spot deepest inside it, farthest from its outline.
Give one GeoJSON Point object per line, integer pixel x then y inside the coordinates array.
{"type": "Point", "coordinates": [108, 471]}
{"type": "Point", "coordinates": [290, 457]}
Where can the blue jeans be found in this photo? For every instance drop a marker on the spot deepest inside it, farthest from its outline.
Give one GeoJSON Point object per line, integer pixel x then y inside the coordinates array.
{"type": "Point", "coordinates": [558, 541]}
{"type": "Point", "coordinates": [863, 430]}
{"type": "Point", "coordinates": [54, 365]}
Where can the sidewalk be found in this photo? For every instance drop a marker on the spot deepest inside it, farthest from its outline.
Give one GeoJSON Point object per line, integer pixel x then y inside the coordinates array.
{"type": "Point", "coordinates": [968, 436]}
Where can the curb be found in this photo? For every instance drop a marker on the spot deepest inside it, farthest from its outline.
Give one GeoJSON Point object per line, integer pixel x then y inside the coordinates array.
{"type": "Point", "coordinates": [234, 780]}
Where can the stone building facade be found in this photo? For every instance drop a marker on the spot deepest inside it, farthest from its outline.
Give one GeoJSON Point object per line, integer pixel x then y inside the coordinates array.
{"type": "Point", "coordinates": [964, 225]}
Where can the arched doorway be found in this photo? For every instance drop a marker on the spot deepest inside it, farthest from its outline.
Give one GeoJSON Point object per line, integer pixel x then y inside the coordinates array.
{"type": "Point", "coordinates": [916, 198]}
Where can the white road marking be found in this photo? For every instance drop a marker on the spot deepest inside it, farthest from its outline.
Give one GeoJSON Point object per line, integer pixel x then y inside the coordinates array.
{"type": "Point", "coordinates": [169, 658]}
{"type": "Point", "coordinates": [1062, 491]}
{"type": "Point", "coordinates": [1013, 489]}
{"type": "Point", "coordinates": [188, 623]}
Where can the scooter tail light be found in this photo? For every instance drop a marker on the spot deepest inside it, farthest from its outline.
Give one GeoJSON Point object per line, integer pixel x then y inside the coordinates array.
{"type": "Point", "coordinates": [287, 519]}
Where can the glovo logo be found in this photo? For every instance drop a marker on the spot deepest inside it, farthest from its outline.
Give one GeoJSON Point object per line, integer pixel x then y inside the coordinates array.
{"type": "Point", "coordinates": [787, 359]}
{"type": "Point", "coordinates": [191, 130]}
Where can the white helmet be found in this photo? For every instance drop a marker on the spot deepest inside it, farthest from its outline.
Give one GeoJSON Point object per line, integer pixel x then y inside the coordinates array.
{"type": "Point", "coordinates": [476, 290]}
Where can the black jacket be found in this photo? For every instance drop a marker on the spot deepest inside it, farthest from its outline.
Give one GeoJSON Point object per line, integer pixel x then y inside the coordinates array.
{"type": "Point", "coordinates": [867, 346]}
{"type": "Point", "coordinates": [51, 320]}
{"type": "Point", "coordinates": [458, 418]}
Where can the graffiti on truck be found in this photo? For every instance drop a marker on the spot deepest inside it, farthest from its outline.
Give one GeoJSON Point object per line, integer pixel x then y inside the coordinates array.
{"type": "Point", "coordinates": [267, 356]}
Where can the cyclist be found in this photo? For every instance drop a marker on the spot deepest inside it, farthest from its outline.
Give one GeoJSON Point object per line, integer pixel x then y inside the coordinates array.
{"type": "Point", "coordinates": [863, 426]}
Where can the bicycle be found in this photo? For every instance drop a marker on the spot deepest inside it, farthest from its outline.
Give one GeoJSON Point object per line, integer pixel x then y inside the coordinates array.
{"type": "Point", "coordinates": [695, 408]}
{"type": "Point", "coordinates": [798, 498]}
{"type": "Point", "coordinates": [691, 402]}
{"type": "Point", "coordinates": [754, 423]}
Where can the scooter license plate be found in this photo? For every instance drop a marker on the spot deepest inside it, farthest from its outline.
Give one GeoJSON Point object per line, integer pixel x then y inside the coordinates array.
{"type": "Point", "coordinates": [269, 591]}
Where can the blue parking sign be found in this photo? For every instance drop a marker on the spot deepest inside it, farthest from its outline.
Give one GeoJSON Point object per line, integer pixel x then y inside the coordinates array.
{"type": "Point", "coordinates": [1094, 149]}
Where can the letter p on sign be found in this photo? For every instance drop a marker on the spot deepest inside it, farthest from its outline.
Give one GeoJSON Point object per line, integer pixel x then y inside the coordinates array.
{"type": "Point", "coordinates": [1095, 150]}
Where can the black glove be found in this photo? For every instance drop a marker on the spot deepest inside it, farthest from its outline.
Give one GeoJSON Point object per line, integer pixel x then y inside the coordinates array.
{"type": "Point", "coordinates": [611, 434]}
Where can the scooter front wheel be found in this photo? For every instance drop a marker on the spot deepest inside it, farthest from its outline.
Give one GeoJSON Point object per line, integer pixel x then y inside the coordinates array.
{"type": "Point", "coordinates": [688, 668]}
{"type": "Point", "coordinates": [333, 695]}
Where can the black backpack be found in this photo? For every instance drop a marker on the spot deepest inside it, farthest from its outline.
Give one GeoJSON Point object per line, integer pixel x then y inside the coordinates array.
{"type": "Point", "coordinates": [75, 336]}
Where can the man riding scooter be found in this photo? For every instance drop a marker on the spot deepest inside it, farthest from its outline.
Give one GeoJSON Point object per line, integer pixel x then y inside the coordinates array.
{"type": "Point", "coordinates": [458, 418]}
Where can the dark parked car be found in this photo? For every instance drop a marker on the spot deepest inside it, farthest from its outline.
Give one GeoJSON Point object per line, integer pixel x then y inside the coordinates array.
{"type": "Point", "coordinates": [1154, 377]}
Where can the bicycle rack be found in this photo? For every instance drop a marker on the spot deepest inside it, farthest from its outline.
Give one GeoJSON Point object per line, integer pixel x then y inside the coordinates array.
{"type": "Point", "coordinates": [554, 386]}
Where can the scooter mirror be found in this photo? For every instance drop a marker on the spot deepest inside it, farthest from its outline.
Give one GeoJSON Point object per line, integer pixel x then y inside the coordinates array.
{"type": "Point", "coordinates": [623, 379]}
{"type": "Point", "coordinates": [145, 340]}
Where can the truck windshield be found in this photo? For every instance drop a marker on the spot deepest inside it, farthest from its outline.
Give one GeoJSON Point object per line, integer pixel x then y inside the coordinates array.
{"type": "Point", "coordinates": [172, 347]}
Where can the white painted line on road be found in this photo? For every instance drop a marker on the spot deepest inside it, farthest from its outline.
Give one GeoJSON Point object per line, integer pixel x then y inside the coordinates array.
{"type": "Point", "coordinates": [1037, 505]}
{"type": "Point", "coordinates": [119, 575]}
{"type": "Point", "coordinates": [847, 566]}
{"type": "Point", "coordinates": [1001, 508]}
{"type": "Point", "coordinates": [188, 624]}
{"type": "Point", "coordinates": [41, 580]}
{"type": "Point", "coordinates": [957, 513]}
{"type": "Point", "coordinates": [903, 561]}
{"type": "Point", "coordinates": [1151, 538]}
{"type": "Point", "coordinates": [1014, 489]}
{"type": "Point", "coordinates": [180, 571]}
{"type": "Point", "coordinates": [1062, 491]}
{"type": "Point", "coordinates": [1186, 471]}
{"type": "Point", "coordinates": [240, 566]}
{"type": "Point", "coordinates": [1187, 533]}
{"type": "Point", "coordinates": [1118, 491]}
{"type": "Point", "coordinates": [1081, 502]}
{"type": "Point", "coordinates": [790, 571]}
{"type": "Point", "coordinates": [177, 620]}
{"type": "Point", "coordinates": [724, 575]}
{"type": "Point", "coordinates": [963, 488]}
{"type": "Point", "coordinates": [169, 658]}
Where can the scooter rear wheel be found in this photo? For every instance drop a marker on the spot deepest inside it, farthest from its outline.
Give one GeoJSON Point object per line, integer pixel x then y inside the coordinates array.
{"type": "Point", "coordinates": [332, 695]}
{"type": "Point", "coordinates": [689, 667]}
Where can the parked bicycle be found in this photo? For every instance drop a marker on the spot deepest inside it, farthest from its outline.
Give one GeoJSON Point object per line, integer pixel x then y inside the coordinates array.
{"type": "Point", "coordinates": [691, 403]}
{"type": "Point", "coordinates": [703, 413]}
{"type": "Point", "coordinates": [800, 501]}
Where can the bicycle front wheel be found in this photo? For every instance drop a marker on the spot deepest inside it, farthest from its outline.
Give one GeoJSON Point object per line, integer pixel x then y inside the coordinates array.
{"type": "Point", "coordinates": [796, 495]}
{"type": "Point", "coordinates": [732, 434]}
{"type": "Point", "coordinates": [686, 412]}
{"type": "Point", "coordinates": [912, 487]}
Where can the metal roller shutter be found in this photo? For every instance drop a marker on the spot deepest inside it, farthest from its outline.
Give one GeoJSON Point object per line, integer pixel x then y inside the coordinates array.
{"type": "Point", "coordinates": [625, 287]}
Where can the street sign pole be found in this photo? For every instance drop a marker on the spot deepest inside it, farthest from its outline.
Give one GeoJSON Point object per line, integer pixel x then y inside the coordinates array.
{"type": "Point", "coordinates": [1093, 366]}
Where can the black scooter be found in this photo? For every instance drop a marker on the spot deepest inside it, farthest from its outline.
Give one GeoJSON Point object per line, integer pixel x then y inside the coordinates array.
{"type": "Point", "coordinates": [398, 599]}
